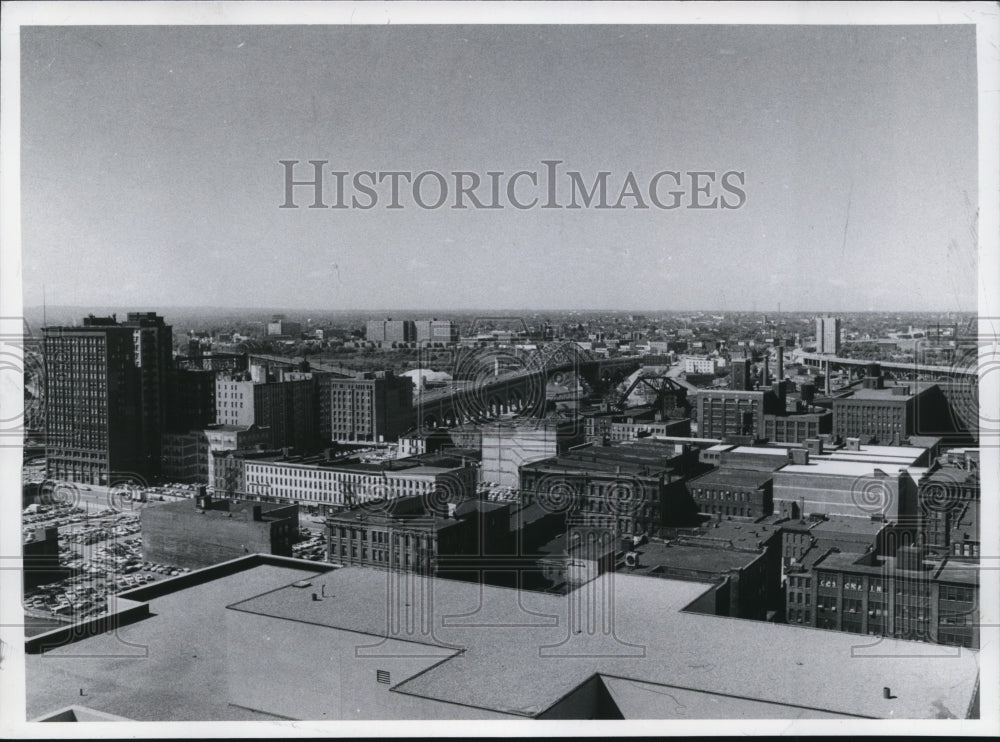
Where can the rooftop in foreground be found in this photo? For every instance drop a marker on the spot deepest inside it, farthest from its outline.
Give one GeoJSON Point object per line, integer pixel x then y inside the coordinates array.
{"type": "Point", "coordinates": [165, 667]}
{"type": "Point", "coordinates": [488, 651]}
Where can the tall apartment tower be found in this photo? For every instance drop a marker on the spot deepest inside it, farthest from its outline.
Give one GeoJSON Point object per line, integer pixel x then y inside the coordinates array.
{"type": "Point", "coordinates": [374, 407]}
{"type": "Point", "coordinates": [828, 335]}
{"type": "Point", "coordinates": [106, 391]}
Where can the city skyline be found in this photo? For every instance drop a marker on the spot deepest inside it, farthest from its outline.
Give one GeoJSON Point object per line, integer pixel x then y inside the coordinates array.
{"type": "Point", "coordinates": [174, 136]}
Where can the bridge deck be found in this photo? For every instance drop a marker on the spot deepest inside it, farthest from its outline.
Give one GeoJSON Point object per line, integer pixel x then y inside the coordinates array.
{"type": "Point", "coordinates": [923, 368]}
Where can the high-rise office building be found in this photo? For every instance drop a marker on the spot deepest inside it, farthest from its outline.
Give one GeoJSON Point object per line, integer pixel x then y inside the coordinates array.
{"type": "Point", "coordinates": [828, 335]}
{"type": "Point", "coordinates": [106, 391]}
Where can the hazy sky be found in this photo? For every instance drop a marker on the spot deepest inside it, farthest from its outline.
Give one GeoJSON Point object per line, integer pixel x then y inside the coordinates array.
{"type": "Point", "coordinates": [150, 165]}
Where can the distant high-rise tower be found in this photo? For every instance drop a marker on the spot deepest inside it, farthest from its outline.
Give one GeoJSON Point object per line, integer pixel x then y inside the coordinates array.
{"type": "Point", "coordinates": [391, 331]}
{"type": "Point", "coordinates": [106, 384]}
{"type": "Point", "coordinates": [739, 379]}
{"type": "Point", "coordinates": [828, 335]}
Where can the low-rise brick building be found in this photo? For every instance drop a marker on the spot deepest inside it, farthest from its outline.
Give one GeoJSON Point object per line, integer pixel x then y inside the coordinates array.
{"type": "Point", "coordinates": [210, 530]}
{"type": "Point", "coordinates": [730, 492]}
{"type": "Point", "coordinates": [608, 487]}
{"type": "Point", "coordinates": [907, 596]}
{"type": "Point", "coordinates": [415, 534]}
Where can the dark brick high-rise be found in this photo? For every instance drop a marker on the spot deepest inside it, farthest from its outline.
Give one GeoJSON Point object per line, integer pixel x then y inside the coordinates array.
{"type": "Point", "coordinates": [106, 384]}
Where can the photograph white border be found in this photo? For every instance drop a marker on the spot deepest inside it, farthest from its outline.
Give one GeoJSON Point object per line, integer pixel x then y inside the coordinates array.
{"type": "Point", "coordinates": [16, 14]}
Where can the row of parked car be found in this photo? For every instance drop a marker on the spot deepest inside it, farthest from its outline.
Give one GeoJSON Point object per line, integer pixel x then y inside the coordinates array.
{"type": "Point", "coordinates": [43, 516]}
{"type": "Point", "coordinates": [313, 548]}
{"type": "Point", "coordinates": [115, 526]}
{"type": "Point", "coordinates": [164, 569]}
{"type": "Point", "coordinates": [80, 597]}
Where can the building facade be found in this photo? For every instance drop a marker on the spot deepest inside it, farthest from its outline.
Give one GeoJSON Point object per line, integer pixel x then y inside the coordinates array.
{"type": "Point", "coordinates": [436, 331]}
{"type": "Point", "coordinates": [733, 493]}
{"type": "Point", "coordinates": [885, 415]}
{"type": "Point", "coordinates": [374, 407]}
{"type": "Point", "coordinates": [506, 446]}
{"type": "Point", "coordinates": [828, 335]}
{"type": "Point", "coordinates": [851, 488]}
{"type": "Point", "coordinates": [702, 364]}
{"type": "Point", "coordinates": [905, 597]}
{"type": "Point", "coordinates": [185, 457]}
{"type": "Point", "coordinates": [284, 328]}
{"type": "Point", "coordinates": [192, 399]}
{"type": "Point", "coordinates": [740, 374]}
{"type": "Point", "coordinates": [288, 409]}
{"type": "Point", "coordinates": [726, 413]}
{"type": "Point", "coordinates": [188, 457]}
{"type": "Point", "coordinates": [412, 534]}
{"type": "Point", "coordinates": [797, 428]}
{"type": "Point", "coordinates": [948, 509]}
{"type": "Point", "coordinates": [210, 530]}
{"type": "Point", "coordinates": [627, 497]}
{"type": "Point", "coordinates": [315, 482]}
{"type": "Point", "coordinates": [391, 331]}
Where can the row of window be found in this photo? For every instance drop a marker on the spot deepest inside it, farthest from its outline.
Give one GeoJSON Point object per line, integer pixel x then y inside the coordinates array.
{"type": "Point", "coordinates": [958, 640]}
{"type": "Point", "coordinates": [379, 556]}
{"type": "Point", "coordinates": [957, 593]}
{"type": "Point", "coordinates": [955, 619]}
{"type": "Point", "coordinates": [965, 548]}
{"type": "Point", "coordinates": [726, 495]}
{"type": "Point", "coordinates": [796, 615]}
{"type": "Point", "coordinates": [746, 512]}
{"type": "Point", "coordinates": [377, 537]}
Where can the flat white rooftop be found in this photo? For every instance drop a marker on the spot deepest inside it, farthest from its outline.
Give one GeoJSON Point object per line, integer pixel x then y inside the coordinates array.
{"type": "Point", "coordinates": [762, 451]}
{"type": "Point", "coordinates": [523, 652]}
{"type": "Point", "coordinates": [837, 467]}
{"type": "Point", "coordinates": [515, 653]}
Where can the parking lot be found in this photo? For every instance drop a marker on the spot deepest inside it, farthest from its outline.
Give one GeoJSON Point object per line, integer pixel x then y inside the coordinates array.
{"type": "Point", "coordinates": [100, 544]}
{"type": "Point", "coordinates": [102, 552]}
